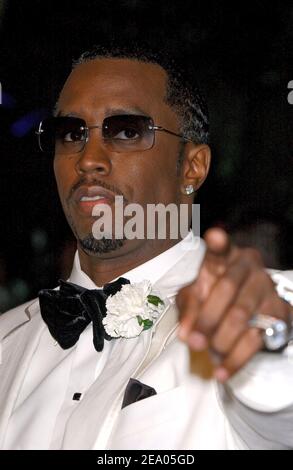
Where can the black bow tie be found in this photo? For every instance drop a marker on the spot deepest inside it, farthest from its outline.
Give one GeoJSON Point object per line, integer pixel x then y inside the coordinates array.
{"type": "Point", "coordinates": [69, 310]}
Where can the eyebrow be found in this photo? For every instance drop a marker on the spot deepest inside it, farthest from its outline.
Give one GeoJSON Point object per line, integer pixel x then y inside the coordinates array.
{"type": "Point", "coordinates": [125, 110]}
{"type": "Point", "coordinates": [61, 114]}
{"type": "Point", "coordinates": [108, 112]}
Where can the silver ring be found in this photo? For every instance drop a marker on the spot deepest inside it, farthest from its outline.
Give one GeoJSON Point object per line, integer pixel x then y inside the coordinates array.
{"type": "Point", "coordinates": [276, 333]}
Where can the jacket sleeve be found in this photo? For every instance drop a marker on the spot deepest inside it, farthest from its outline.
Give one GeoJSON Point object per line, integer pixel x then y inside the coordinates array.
{"type": "Point", "coordinates": [258, 400]}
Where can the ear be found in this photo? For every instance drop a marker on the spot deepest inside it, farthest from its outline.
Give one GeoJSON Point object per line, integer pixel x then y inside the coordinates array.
{"type": "Point", "coordinates": [195, 165]}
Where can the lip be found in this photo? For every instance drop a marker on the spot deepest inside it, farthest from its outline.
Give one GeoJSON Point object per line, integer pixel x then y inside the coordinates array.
{"type": "Point", "coordinates": [105, 197]}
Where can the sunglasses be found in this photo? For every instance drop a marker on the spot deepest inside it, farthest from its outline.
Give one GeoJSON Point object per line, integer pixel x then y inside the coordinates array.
{"type": "Point", "coordinates": [120, 133]}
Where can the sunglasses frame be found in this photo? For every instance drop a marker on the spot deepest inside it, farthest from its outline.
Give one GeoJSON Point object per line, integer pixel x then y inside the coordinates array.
{"type": "Point", "coordinates": [152, 127]}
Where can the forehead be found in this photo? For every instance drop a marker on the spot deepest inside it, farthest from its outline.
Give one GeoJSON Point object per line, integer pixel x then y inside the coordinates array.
{"type": "Point", "coordinates": [102, 84]}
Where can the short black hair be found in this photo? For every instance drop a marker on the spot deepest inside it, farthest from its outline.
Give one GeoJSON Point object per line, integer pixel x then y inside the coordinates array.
{"type": "Point", "coordinates": [182, 94]}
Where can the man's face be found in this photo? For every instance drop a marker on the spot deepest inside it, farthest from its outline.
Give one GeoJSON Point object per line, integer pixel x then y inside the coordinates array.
{"type": "Point", "coordinates": [102, 88]}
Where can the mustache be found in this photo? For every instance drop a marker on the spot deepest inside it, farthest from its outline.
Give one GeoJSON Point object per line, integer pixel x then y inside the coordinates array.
{"type": "Point", "coordinates": [92, 181]}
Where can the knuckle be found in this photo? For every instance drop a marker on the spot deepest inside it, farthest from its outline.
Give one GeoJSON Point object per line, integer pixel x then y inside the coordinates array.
{"type": "Point", "coordinates": [219, 346]}
{"type": "Point", "coordinates": [183, 296]}
{"type": "Point", "coordinates": [260, 277]}
{"type": "Point", "coordinates": [252, 254]}
{"type": "Point", "coordinates": [238, 316]}
{"type": "Point", "coordinates": [206, 323]}
{"type": "Point", "coordinates": [254, 338]}
{"type": "Point", "coordinates": [273, 305]}
{"type": "Point", "coordinates": [228, 286]}
{"type": "Point", "coordinates": [189, 291]}
{"type": "Point", "coordinates": [187, 302]}
{"type": "Point", "coordinates": [182, 293]}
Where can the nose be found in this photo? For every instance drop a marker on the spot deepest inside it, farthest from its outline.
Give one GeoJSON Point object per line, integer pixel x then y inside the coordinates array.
{"type": "Point", "coordinates": [94, 157]}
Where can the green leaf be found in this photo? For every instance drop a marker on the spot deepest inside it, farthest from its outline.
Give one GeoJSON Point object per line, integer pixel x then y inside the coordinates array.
{"type": "Point", "coordinates": [155, 300]}
{"type": "Point", "coordinates": [139, 319]}
{"type": "Point", "coordinates": [147, 324]}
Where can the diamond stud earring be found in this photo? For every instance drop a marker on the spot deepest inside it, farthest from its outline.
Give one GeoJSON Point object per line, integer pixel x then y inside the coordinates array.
{"type": "Point", "coordinates": [189, 189]}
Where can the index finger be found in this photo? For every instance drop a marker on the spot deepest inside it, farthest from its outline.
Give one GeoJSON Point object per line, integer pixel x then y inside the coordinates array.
{"type": "Point", "coordinates": [219, 250]}
{"type": "Point", "coordinates": [217, 241]}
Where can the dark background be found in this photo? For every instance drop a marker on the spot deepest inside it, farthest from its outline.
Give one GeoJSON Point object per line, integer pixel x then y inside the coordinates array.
{"type": "Point", "coordinates": [242, 56]}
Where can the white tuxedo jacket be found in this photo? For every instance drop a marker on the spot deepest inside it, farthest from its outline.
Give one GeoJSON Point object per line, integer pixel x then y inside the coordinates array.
{"type": "Point", "coordinates": [189, 411]}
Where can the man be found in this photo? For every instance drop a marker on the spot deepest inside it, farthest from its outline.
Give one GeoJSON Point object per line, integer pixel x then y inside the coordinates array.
{"type": "Point", "coordinates": [127, 126]}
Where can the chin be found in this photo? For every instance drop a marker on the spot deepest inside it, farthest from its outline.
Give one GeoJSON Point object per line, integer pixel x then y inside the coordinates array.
{"type": "Point", "coordinates": [94, 247]}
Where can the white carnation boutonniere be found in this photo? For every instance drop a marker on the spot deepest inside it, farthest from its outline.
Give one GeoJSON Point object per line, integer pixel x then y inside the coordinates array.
{"type": "Point", "coordinates": [132, 310]}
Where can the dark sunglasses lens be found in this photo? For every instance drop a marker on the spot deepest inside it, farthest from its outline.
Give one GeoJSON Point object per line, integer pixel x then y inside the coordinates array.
{"type": "Point", "coordinates": [128, 133]}
{"type": "Point", "coordinates": [62, 135]}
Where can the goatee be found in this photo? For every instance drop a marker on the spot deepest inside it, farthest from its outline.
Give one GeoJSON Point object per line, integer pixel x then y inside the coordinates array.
{"type": "Point", "coordinates": [93, 246]}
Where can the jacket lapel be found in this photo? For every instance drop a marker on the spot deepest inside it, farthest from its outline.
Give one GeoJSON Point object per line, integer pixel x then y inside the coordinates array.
{"type": "Point", "coordinates": [10, 321]}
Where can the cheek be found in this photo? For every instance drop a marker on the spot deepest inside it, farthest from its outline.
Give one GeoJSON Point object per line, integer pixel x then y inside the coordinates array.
{"type": "Point", "coordinates": [164, 160]}
{"type": "Point", "coordinates": [152, 176]}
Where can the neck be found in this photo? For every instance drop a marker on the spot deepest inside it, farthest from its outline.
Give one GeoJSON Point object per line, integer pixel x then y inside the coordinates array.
{"type": "Point", "coordinates": [104, 269]}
